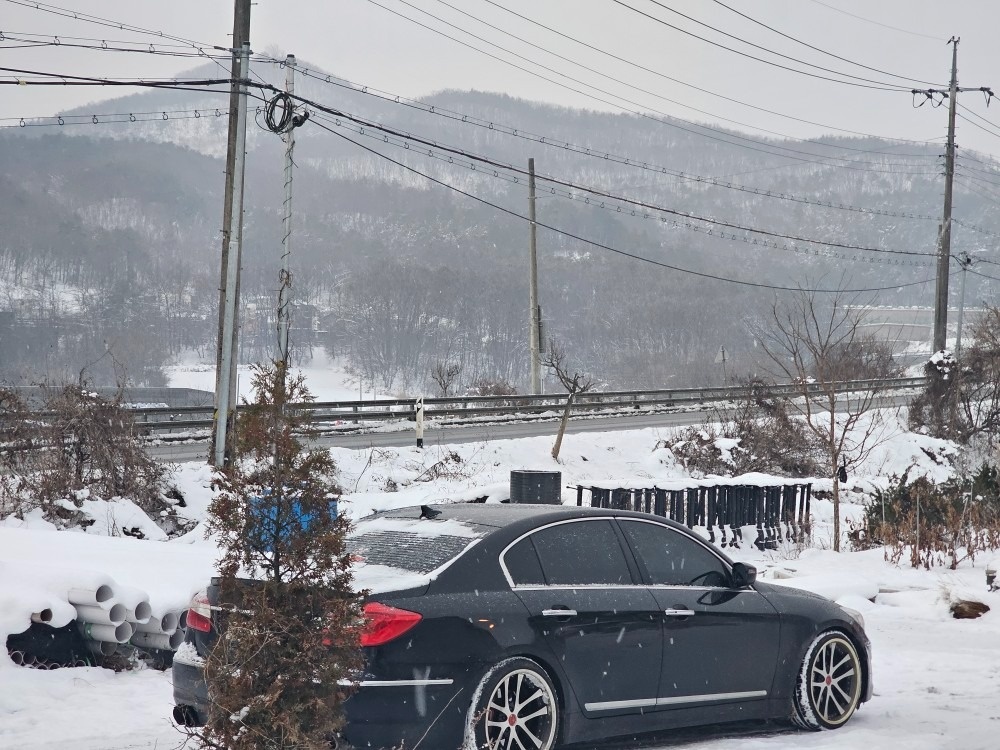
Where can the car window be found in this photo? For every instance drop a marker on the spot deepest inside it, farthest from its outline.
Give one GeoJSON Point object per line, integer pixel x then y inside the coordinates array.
{"type": "Point", "coordinates": [582, 553]}
{"type": "Point", "coordinates": [672, 559]}
{"type": "Point", "coordinates": [522, 564]}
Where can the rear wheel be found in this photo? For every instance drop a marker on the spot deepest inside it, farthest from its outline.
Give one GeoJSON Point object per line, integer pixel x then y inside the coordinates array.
{"type": "Point", "coordinates": [515, 706]}
{"type": "Point", "coordinates": [829, 685]}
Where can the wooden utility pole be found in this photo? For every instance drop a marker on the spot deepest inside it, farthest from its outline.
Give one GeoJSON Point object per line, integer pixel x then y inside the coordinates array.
{"type": "Point", "coordinates": [533, 323]}
{"type": "Point", "coordinates": [227, 350]}
{"type": "Point", "coordinates": [944, 234]}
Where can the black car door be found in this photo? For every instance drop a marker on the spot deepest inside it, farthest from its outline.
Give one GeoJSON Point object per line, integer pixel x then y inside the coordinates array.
{"type": "Point", "coordinates": [605, 631]}
{"type": "Point", "coordinates": [720, 644]}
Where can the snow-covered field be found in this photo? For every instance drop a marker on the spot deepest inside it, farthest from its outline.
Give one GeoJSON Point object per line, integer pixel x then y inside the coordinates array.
{"type": "Point", "coordinates": [937, 679]}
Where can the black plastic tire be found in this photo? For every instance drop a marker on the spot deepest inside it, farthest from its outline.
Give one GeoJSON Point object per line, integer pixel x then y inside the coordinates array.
{"type": "Point", "coordinates": [515, 697]}
{"type": "Point", "coordinates": [829, 685]}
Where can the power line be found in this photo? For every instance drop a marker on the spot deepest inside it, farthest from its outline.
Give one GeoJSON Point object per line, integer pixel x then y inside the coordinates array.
{"type": "Point", "coordinates": [611, 205]}
{"type": "Point", "coordinates": [642, 109]}
{"type": "Point", "coordinates": [107, 22]}
{"type": "Point", "coordinates": [41, 78]}
{"type": "Point", "coordinates": [699, 88]}
{"type": "Point", "coordinates": [813, 47]}
{"type": "Point", "coordinates": [105, 46]}
{"type": "Point", "coordinates": [602, 246]}
{"type": "Point", "coordinates": [877, 23]}
{"type": "Point", "coordinates": [554, 142]}
{"type": "Point", "coordinates": [874, 85]}
{"type": "Point", "coordinates": [114, 118]}
{"type": "Point", "coordinates": [638, 88]}
{"type": "Point", "coordinates": [565, 183]}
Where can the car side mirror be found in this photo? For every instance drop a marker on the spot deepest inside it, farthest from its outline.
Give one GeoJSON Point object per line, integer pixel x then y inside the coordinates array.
{"type": "Point", "coordinates": [743, 575]}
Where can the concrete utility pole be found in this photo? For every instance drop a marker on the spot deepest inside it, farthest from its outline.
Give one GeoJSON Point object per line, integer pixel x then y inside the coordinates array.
{"type": "Point", "coordinates": [284, 311]}
{"type": "Point", "coordinates": [533, 323]}
{"type": "Point", "coordinates": [227, 349]}
{"type": "Point", "coordinates": [944, 234]}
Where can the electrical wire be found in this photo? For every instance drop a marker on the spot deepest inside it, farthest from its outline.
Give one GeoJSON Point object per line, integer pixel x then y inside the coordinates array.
{"type": "Point", "coordinates": [46, 79]}
{"type": "Point", "coordinates": [98, 20]}
{"type": "Point", "coordinates": [699, 88]}
{"type": "Point", "coordinates": [602, 246]}
{"type": "Point", "coordinates": [553, 142]}
{"type": "Point", "coordinates": [874, 85]}
{"type": "Point", "coordinates": [818, 49]}
{"type": "Point", "coordinates": [641, 110]}
{"type": "Point", "coordinates": [614, 207]}
{"type": "Point", "coordinates": [877, 23]}
{"type": "Point", "coordinates": [639, 88]}
{"type": "Point", "coordinates": [386, 130]}
{"type": "Point", "coordinates": [110, 118]}
{"type": "Point", "coordinates": [104, 46]}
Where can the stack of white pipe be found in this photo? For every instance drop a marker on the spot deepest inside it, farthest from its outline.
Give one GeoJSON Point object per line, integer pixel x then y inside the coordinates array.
{"type": "Point", "coordinates": [108, 614]}
{"type": "Point", "coordinates": [162, 632]}
{"type": "Point", "coordinates": [100, 616]}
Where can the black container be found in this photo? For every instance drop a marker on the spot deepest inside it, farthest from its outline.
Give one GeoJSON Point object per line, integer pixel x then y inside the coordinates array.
{"type": "Point", "coordinates": [527, 486]}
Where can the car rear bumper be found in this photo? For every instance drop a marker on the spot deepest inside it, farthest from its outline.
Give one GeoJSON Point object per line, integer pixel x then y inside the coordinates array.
{"type": "Point", "coordinates": [190, 694]}
{"type": "Point", "coordinates": [380, 713]}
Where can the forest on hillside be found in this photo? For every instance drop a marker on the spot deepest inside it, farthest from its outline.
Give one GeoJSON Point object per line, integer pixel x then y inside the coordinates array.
{"type": "Point", "coordinates": [110, 250]}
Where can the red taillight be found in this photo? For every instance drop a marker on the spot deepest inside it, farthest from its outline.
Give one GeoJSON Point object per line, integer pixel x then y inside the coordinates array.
{"type": "Point", "coordinates": [385, 623]}
{"type": "Point", "coordinates": [199, 615]}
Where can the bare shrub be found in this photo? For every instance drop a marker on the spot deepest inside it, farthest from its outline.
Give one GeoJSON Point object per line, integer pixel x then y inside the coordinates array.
{"type": "Point", "coordinates": [764, 436]}
{"type": "Point", "coordinates": [933, 524]}
{"type": "Point", "coordinates": [76, 446]}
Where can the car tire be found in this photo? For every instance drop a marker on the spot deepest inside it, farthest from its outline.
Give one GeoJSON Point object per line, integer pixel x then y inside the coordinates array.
{"type": "Point", "coordinates": [514, 696]}
{"type": "Point", "coordinates": [829, 685]}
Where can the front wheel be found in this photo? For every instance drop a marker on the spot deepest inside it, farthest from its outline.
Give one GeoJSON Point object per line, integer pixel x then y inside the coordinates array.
{"type": "Point", "coordinates": [829, 684]}
{"type": "Point", "coordinates": [514, 706]}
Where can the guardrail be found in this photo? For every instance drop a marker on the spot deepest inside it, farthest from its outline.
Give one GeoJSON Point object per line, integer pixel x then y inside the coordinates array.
{"type": "Point", "coordinates": [336, 414]}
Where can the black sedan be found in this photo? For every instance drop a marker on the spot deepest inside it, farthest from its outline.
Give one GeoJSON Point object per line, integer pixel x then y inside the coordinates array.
{"type": "Point", "coordinates": [529, 627]}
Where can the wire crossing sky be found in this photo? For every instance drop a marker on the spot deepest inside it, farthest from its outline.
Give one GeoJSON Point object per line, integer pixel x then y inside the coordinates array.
{"type": "Point", "coordinates": [360, 41]}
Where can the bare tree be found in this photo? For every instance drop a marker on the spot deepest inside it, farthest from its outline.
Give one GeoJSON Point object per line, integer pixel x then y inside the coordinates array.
{"type": "Point", "coordinates": [444, 374]}
{"type": "Point", "coordinates": [820, 348]}
{"type": "Point", "coordinates": [555, 359]}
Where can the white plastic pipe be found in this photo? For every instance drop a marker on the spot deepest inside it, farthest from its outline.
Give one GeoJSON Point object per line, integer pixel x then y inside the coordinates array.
{"type": "Point", "coordinates": [165, 624]}
{"type": "Point", "coordinates": [170, 622]}
{"type": "Point", "coordinates": [114, 615]}
{"type": "Point", "coordinates": [111, 633]}
{"type": "Point", "coordinates": [102, 648]}
{"type": "Point", "coordinates": [100, 596]}
{"type": "Point", "coordinates": [136, 602]}
{"type": "Point", "coordinates": [158, 640]}
{"type": "Point", "coordinates": [44, 615]}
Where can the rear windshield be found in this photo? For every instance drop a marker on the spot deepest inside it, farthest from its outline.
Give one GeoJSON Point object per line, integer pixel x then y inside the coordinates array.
{"type": "Point", "coordinates": [411, 545]}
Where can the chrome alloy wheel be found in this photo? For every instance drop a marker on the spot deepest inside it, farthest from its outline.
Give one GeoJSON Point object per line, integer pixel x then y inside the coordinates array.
{"type": "Point", "coordinates": [521, 712]}
{"type": "Point", "coordinates": [833, 680]}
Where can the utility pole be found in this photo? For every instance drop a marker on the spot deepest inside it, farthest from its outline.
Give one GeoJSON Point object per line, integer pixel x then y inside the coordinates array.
{"type": "Point", "coordinates": [227, 350]}
{"type": "Point", "coordinates": [284, 313]}
{"type": "Point", "coordinates": [944, 234]}
{"type": "Point", "coordinates": [533, 316]}
{"type": "Point", "coordinates": [944, 230]}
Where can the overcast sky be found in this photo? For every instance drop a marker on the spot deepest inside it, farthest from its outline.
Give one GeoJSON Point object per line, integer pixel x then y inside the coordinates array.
{"type": "Point", "coordinates": [367, 44]}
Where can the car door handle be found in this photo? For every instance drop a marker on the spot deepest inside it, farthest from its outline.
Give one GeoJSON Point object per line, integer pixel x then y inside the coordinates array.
{"type": "Point", "coordinates": [678, 612]}
{"type": "Point", "coordinates": [563, 612]}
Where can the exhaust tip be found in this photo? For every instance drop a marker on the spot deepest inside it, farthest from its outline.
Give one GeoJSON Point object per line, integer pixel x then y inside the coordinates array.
{"type": "Point", "coordinates": [186, 716]}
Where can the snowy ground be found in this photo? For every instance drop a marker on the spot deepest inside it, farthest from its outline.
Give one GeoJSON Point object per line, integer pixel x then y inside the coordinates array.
{"type": "Point", "coordinates": [937, 680]}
